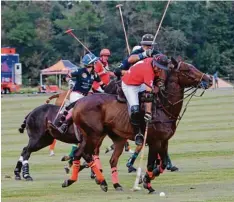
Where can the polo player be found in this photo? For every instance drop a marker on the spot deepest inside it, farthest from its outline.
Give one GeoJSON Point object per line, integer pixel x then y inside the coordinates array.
{"type": "Point", "coordinates": [143, 72]}
{"type": "Point", "coordinates": [102, 69]}
{"type": "Point", "coordinates": [137, 54]}
{"type": "Point", "coordinates": [84, 79]}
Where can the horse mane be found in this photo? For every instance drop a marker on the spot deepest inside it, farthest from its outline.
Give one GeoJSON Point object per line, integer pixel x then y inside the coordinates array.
{"type": "Point", "coordinates": [162, 101]}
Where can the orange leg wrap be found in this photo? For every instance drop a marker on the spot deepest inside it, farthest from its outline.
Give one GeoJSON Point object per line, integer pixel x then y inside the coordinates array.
{"type": "Point", "coordinates": [97, 172]}
{"type": "Point", "coordinates": [97, 162]}
{"type": "Point", "coordinates": [75, 170]}
{"type": "Point", "coordinates": [53, 145]}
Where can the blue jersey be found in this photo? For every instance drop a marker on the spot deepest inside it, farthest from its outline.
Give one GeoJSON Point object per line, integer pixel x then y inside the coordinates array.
{"type": "Point", "coordinates": [125, 65]}
{"type": "Point", "coordinates": [84, 80]}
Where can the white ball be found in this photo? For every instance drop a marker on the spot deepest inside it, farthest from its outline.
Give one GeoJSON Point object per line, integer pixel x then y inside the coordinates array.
{"type": "Point", "coordinates": [162, 194]}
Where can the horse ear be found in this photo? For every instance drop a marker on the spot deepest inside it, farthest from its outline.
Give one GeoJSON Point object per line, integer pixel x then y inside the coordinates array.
{"type": "Point", "coordinates": [174, 62]}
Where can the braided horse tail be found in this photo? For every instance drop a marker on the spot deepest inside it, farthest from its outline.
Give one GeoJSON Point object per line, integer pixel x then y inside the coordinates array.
{"type": "Point", "coordinates": [23, 125]}
{"type": "Point", "coordinates": [52, 97]}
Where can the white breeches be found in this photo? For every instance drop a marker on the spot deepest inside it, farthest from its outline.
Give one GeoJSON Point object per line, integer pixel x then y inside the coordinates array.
{"type": "Point", "coordinates": [131, 93]}
{"type": "Point", "coordinates": [74, 96]}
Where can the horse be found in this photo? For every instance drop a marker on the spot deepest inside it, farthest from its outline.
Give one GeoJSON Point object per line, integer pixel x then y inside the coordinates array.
{"type": "Point", "coordinates": [101, 114]}
{"type": "Point", "coordinates": [39, 136]}
{"type": "Point", "coordinates": [111, 88]}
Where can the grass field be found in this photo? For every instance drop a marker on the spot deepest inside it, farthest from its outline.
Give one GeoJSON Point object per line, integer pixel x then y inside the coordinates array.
{"type": "Point", "coordinates": [203, 149]}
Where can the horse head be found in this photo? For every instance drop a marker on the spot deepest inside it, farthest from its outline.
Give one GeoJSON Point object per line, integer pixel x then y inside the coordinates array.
{"type": "Point", "coordinates": [189, 76]}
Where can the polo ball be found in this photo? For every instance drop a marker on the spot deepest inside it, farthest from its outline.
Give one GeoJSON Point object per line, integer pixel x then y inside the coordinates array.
{"type": "Point", "coordinates": [162, 194]}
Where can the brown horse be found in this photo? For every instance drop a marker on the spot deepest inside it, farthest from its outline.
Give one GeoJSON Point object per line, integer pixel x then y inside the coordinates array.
{"type": "Point", "coordinates": [102, 114]}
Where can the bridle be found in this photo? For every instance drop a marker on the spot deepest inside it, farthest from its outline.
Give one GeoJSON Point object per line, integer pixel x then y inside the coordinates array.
{"type": "Point", "coordinates": [190, 95]}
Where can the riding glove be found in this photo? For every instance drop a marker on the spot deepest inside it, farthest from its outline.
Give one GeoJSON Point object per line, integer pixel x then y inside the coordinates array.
{"type": "Point", "coordinates": [148, 117]}
{"type": "Point", "coordinates": [145, 54]}
{"type": "Point", "coordinates": [71, 84]}
{"type": "Point", "coordinates": [161, 86]}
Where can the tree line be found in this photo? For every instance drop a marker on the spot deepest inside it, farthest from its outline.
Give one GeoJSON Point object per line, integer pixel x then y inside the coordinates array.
{"type": "Point", "coordinates": [200, 32]}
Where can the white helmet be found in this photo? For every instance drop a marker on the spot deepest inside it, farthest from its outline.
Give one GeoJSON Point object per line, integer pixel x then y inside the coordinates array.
{"type": "Point", "coordinates": [136, 48]}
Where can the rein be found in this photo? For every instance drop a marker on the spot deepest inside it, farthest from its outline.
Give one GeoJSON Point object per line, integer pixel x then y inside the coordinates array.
{"type": "Point", "coordinates": [190, 95]}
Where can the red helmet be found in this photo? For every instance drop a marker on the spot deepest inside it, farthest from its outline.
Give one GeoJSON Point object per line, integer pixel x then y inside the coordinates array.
{"type": "Point", "coordinates": [105, 52]}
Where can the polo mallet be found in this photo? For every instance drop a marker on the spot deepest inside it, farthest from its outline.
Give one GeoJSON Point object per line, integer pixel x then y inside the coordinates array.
{"type": "Point", "coordinates": [70, 32]}
{"type": "Point", "coordinates": [70, 90]}
{"type": "Point", "coordinates": [126, 38]}
{"type": "Point", "coordinates": [136, 187]}
{"type": "Point", "coordinates": [160, 24]}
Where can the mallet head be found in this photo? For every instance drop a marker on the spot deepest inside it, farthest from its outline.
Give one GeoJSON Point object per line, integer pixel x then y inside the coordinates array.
{"type": "Point", "coordinates": [119, 5]}
{"type": "Point", "coordinates": [68, 31]}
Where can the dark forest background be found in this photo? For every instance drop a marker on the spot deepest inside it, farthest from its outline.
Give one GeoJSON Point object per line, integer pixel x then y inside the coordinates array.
{"type": "Point", "coordinates": [200, 32]}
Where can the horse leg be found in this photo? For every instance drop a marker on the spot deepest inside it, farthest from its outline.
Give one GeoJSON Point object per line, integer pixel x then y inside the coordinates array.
{"type": "Point", "coordinates": [19, 165]}
{"type": "Point", "coordinates": [150, 174]}
{"type": "Point", "coordinates": [75, 165]}
{"type": "Point", "coordinates": [118, 149]}
{"type": "Point", "coordinates": [132, 159]}
{"type": "Point", "coordinates": [170, 165]}
{"type": "Point", "coordinates": [96, 157]}
{"type": "Point", "coordinates": [94, 163]}
{"type": "Point", "coordinates": [99, 178]}
{"type": "Point", "coordinates": [163, 156]}
{"type": "Point", "coordinates": [33, 146]}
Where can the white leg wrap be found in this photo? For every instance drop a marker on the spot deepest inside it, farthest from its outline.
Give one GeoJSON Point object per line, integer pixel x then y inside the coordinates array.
{"type": "Point", "coordinates": [21, 158]}
{"type": "Point", "coordinates": [24, 162]}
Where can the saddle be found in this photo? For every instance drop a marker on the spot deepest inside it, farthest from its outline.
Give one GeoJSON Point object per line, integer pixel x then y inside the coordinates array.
{"type": "Point", "coordinates": [121, 97]}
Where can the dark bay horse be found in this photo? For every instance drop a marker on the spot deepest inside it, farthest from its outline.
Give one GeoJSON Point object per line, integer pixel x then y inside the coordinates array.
{"type": "Point", "coordinates": [102, 114]}
{"type": "Point", "coordinates": [39, 136]}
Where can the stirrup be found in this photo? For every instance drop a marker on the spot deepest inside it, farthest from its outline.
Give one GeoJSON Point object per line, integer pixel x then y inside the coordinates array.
{"type": "Point", "coordinates": [139, 139]}
{"type": "Point", "coordinates": [63, 128]}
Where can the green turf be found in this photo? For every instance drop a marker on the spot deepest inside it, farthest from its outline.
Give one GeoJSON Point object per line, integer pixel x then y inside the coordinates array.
{"type": "Point", "coordinates": [203, 149]}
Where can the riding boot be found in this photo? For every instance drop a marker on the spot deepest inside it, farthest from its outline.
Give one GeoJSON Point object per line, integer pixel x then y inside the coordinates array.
{"type": "Point", "coordinates": [64, 122]}
{"type": "Point", "coordinates": [135, 120]}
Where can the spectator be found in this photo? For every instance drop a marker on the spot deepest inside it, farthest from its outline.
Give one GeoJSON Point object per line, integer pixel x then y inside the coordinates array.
{"type": "Point", "coordinates": [216, 83]}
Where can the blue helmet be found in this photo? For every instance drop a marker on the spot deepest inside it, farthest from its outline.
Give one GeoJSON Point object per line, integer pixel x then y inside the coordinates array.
{"type": "Point", "coordinates": [89, 59]}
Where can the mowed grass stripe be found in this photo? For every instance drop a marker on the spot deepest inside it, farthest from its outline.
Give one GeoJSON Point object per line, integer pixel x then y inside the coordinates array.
{"type": "Point", "coordinates": [202, 148]}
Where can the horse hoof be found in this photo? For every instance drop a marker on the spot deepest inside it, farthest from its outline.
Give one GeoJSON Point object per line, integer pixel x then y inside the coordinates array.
{"type": "Point", "coordinates": [152, 191]}
{"type": "Point", "coordinates": [28, 178]}
{"type": "Point", "coordinates": [17, 177]}
{"type": "Point", "coordinates": [67, 183]}
{"type": "Point", "coordinates": [65, 158]}
{"type": "Point", "coordinates": [104, 186]}
{"type": "Point", "coordinates": [174, 169]}
{"type": "Point", "coordinates": [92, 176]}
{"type": "Point", "coordinates": [131, 169]}
{"type": "Point", "coordinates": [118, 187]}
{"type": "Point", "coordinates": [82, 167]}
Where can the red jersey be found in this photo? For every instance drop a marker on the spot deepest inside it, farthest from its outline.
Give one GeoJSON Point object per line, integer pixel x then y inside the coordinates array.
{"type": "Point", "coordinates": [140, 73]}
{"type": "Point", "coordinates": [103, 74]}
